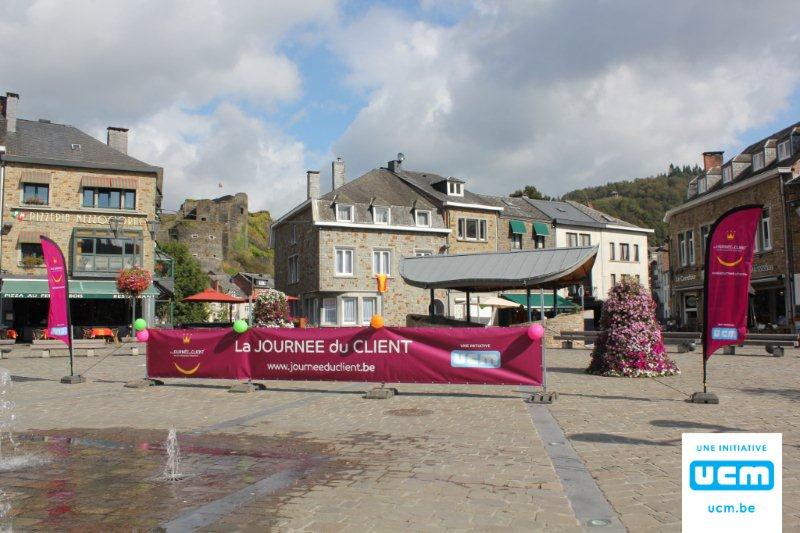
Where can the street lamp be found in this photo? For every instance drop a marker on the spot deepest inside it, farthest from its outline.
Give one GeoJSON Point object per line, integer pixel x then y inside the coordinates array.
{"type": "Point", "coordinates": [153, 226]}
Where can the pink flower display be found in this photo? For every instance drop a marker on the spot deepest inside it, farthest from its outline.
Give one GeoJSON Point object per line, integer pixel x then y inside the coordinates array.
{"type": "Point", "coordinates": [630, 342]}
{"type": "Point", "coordinates": [133, 281]}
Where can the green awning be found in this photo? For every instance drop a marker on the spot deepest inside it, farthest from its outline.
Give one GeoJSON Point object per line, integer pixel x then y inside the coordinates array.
{"type": "Point", "coordinates": [563, 303]}
{"type": "Point", "coordinates": [517, 227]}
{"type": "Point", "coordinates": [541, 228]}
{"type": "Point", "coordinates": [87, 289]}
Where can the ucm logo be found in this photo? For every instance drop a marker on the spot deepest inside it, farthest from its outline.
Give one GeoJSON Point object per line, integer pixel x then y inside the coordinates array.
{"type": "Point", "coordinates": [731, 475]}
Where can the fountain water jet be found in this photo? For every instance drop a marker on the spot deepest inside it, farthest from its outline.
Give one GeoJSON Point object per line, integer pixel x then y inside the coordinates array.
{"type": "Point", "coordinates": [172, 469]}
{"type": "Point", "coordinates": [6, 416]}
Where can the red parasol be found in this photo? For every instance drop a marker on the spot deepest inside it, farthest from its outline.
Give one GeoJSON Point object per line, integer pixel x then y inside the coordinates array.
{"type": "Point", "coordinates": [212, 296]}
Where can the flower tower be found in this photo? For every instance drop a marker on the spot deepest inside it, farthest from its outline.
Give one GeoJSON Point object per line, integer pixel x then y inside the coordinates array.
{"type": "Point", "coordinates": [133, 281]}
{"type": "Point", "coordinates": [630, 342]}
{"type": "Point", "coordinates": [271, 310]}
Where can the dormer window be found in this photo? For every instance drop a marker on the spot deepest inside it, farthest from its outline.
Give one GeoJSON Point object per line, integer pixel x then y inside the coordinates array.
{"type": "Point", "coordinates": [784, 150]}
{"type": "Point", "coordinates": [702, 184]}
{"type": "Point", "coordinates": [422, 218]}
{"type": "Point", "coordinates": [344, 213]}
{"type": "Point", "coordinates": [758, 161]}
{"type": "Point", "coordinates": [455, 188]}
{"type": "Point", "coordinates": [727, 174]}
{"type": "Point", "coordinates": [381, 215]}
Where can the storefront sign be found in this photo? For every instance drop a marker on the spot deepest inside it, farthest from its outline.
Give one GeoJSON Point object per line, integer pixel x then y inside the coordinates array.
{"type": "Point", "coordinates": [76, 218]}
{"type": "Point", "coordinates": [687, 277]}
{"type": "Point", "coordinates": [497, 356]}
{"type": "Point", "coordinates": [763, 268]}
{"type": "Point", "coordinates": [729, 262]}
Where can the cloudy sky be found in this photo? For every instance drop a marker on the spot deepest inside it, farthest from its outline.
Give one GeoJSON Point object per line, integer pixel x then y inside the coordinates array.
{"type": "Point", "coordinates": [246, 95]}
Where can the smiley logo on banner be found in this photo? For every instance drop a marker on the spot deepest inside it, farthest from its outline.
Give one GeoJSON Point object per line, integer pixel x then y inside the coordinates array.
{"type": "Point", "coordinates": [186, 340]}
{"type": "Point", "coordinates": [729, 264]}
{"type": "Point", "coordinates": [184, 371]}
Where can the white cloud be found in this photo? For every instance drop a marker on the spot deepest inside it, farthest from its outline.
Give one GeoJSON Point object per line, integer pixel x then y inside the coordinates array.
{"type": "Point", "coordinates": [566, 94]}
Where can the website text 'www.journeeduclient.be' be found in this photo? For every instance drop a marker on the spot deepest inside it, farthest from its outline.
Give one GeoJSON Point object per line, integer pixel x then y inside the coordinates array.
{"type": "Point", "coordinates": [322, 367]}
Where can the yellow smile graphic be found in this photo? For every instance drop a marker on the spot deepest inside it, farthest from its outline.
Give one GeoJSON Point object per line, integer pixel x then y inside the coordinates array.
{"type": "Point", "coordinates": [729, 263]}
{"type": "Point", "coordinates": [57, 279]}
{"type": "Point", "coordinates": [186, 372]}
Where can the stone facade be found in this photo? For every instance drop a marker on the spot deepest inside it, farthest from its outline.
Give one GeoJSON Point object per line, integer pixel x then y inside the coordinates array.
{"type": "Point", "coordinates": [65, 213]}
{"type": "Point", "coordinates": [505, 241]}
{"type": "Point", "coordinates": [462, 245]}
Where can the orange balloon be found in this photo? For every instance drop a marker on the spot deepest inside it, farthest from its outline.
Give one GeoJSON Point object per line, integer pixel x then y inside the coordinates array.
{"type": "Point", "coordinates": [376, 322]}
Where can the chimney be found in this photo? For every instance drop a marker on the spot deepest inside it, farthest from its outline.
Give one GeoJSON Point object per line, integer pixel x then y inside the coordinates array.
{"type": "Point", "coordinates": [118, 139]}
{"type": "Point", "coordinates": [10, 110]}
{"type": "Point", "coordinates": [338, 177]}
{"type": "Point", "coordinates": [711, 160]}
{"type": "Point", "coordinates": [397, 164]}
{"type": "Point", "coordinates": [312, 177]}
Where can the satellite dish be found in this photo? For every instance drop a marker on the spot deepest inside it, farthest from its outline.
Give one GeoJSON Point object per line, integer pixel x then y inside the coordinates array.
{"type": "Point", "coordinates": [400, 156]}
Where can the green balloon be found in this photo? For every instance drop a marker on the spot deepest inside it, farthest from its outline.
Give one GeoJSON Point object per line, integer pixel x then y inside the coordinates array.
{"type": "Point", "coordinates": [139, 324]}
{"type": "Point", "coordinates": [240, 326]}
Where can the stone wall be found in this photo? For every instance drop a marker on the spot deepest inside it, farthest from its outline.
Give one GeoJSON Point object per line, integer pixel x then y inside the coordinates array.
{"type": "Point", "coordinates": [463, 246]}
{"type": "Point", "coordinates": [305, 246]}
{"type": "Point", "coordinates": [504, 236]}
{"type": "Point", "coordinates": [64, 212]}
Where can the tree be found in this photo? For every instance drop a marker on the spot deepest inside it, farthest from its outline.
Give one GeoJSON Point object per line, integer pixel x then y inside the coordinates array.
{"type": "Point", "coordinates": [189, 279]}
{"type": "Point", "coordinates": [531, 192]}
{"type": "Point", "coordinates": [630, 342]}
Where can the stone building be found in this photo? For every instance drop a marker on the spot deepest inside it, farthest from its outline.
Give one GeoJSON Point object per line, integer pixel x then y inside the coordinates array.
{"type": "Point", "coordinates": [98, 203]}
{"type": "Point", "coordinates": [210, 228]}
{"type": "Point", "coordinates": [763, 173]}
{"type": "Point", "coordinates": [329, 249]}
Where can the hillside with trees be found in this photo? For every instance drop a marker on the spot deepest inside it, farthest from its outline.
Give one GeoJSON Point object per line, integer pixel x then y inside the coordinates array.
{"type": "Point", "coordinates": [642, 201]}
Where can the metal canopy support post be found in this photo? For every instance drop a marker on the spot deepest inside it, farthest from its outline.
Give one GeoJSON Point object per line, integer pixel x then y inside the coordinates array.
{"type": "Point", "coordinates": [544, 342]}
{"type": "Point", "coordinates": [528, 303]}
{"type": "Point", "coordinates": [555, 302]}
{"type": "Point", "coordinates": [469, 308]}
{"type": "Point", "coordinates": [431, 307]}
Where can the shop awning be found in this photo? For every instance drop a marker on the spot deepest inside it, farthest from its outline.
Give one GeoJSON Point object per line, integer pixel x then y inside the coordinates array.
{"type": "Point", "coordinates": [30, 237]}
{"type": "Point", "coordinates": [79, 289]}
{"type": "Point", "coordinates": [541, 229]}
{"type": "Point", "coordinates": [517, 227]}
{"type": "Point", "coordinates": [36, 176]}
{"type": "Point", "coordinates": [519, 299]}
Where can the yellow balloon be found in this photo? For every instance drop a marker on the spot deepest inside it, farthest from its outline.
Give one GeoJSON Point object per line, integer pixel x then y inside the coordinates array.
{"type": "Point", "coordinates": [376, 322]}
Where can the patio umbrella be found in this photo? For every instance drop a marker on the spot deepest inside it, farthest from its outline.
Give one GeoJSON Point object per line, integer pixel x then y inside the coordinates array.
{"type": "Point", "coordinates": [212, 296]}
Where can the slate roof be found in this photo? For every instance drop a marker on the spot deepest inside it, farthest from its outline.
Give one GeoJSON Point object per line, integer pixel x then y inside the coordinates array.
{"type": "Point", "coordinates": [545, 267]}
{"type": "Point", "coordinates": [514, 207]}
{"type": "Point", "coordinates": [425, 181]}
{"type": "Point", "coordinates": [47, 143]}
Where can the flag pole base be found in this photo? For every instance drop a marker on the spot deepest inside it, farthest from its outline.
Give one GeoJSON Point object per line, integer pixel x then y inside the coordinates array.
{"type": "Point", "coordinates": [542, 397]}
{"type": "Point", "coordinates": [72, 380]}
{"type": "Point", "coordinates": [704, 397]}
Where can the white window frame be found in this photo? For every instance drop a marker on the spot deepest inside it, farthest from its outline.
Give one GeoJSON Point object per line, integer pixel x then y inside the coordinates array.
{"type": "Point", "coordinates": [624, 251]}
{"type": "Point", "coordinates": [585, 237]}
{"type": "Point", "coordinates": [572, 239]}
{"type": "Point", "coordinates": [690, 245]}
{"type": "Point", "coordinates": [613, 249]}
{"type": "Point", "coordinates": [539, 242]}
{"type": "Point", "coordinates": [682, 259]}
{"type": "Point", "coordinates": [292, 234]}
{"type": "Point", "coordinates": [705, 230]}
{"type": "Point", "coordinates": [765, 231]}
{"type": "Point", "coordinates": [422, 253]}
{"type": "Point", "coordinates": [636, 256]}
{"type": "Point", "coordinates": [294, 269]}
{"type": "Point", "coordinates": [344, 320]}
{"type": "Point", "coordinates": [702, 184]}
{"type": "Point", "coordinates": [344, 251]}
{"type": "Point", "coordinates": [516, 241]}
{"type": "Point", "coordinates": [312, 311]}
{"type": "Point", "coordinates": [613, 280]}
{"type": "Point", "coordinates": [349, 208]}
{"type": "Point", "coordinates": [387, 209]}
{"type": "Point", "coordinates": [758, 161]}
{"type": "Point", "coordinates": [364, 318]}
{"type": "Point", "coordinates": [455, 188]}
{"type": "Point", "coordinates": [480, 229]}
{"type": "Point", "coordinates": [416, 218]}
{"type": "Point", "coordinates": [786, 147]}
{"type": "Point", "coordinates": [324, 308]}
{"type": "Point", "coordinates": [727, 174]}
{"type": "Point", "coordinates": [378, 254]}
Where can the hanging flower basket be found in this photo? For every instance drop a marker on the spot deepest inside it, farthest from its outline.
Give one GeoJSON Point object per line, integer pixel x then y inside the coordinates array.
{"type": "Point", "coordinates": [133, 281]}
{"type": "Point", "coordinates": [271, 310]}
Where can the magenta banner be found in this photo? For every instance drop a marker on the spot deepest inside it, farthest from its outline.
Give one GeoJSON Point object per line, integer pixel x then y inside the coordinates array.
{"type": "Point", "coordinates": [493, 356]}
{"type": "Point", "coordinates": [58, 316]}
{"type": "Point", "coordinates": [729, 262]}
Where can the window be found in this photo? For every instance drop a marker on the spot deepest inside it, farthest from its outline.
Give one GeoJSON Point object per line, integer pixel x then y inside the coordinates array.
{"type": "Point", "coordinates": [758, 161]}
{"type": "Point", "coordinates": [422, 253]}
{"type": "Point", "coordinates": [538, 241]}
{"type": "Point", "coordinates": [572, 239]}
{"type": "Point", "coordinates": [624, 251]}
{"type": "Point", "coordinates": [784, 150]}
{"type": "Point", "coordinates": [704, 230]}
{"type": "Point", "coordinates": [690, 245]}
{"type": "Point", "coordinates": [682, 249]}
{"type": "Point", "coordinates": [344, 213]}
{"type": "Point", "coordinates": [344, 262]}
{"type": "Point", "coordinates": [727, 174]}
{"type": "Point", "coordinates": [702, 184]}
{"type": "Point", "coordinates": [516, 241]}
{"type": "Point", "coordinates": [294, 269]}
{"type": "Point", "coordinates": [764, 242]}
{"type": "Point", "coordinates": [382, 262]}
{"type": "Point", "coordinates": [31, 254]}
{"type": "Point", "coordinates": [109, 198]}
{"type": "Point", "coordinates": [312, 311]}
{"type": "Point", "coordinates": [35, 194]}
{"type": "Point", "coordinates": [613, 279]}
{"type": "Point", "coordinates": [349, 314]}
{"type": "Point", "coordinates": [329, 311]}
{"type": "Point", "coordinates": [381, 215]}
{"type": "Point", "coordinates": [102, 251]}
{"type": "Point", "coordinates": [369, 308]}
{"type": "Point", "coordinates": [636, 252]}
{"type": "Point", "coordinates": [422, 218]}
{"type": "Point", "coordinates": [472, 229]}
{"type": "Point", "coordinates": [613, 249]}
{"type": "Point", "coordinates": [586, 239]}
{"type": "Point", "coordinates": [455, 189]}
{"type": "Point", "coordinates": [292, 234]}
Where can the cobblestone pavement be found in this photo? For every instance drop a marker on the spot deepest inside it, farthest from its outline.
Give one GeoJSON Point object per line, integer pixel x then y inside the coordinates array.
{"type": "Point", "coordinates": [628, 431]}
{"type": "Point", "coordinates": [432, 458]}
